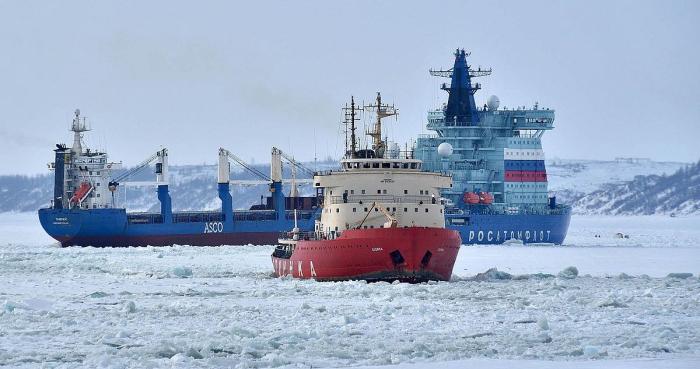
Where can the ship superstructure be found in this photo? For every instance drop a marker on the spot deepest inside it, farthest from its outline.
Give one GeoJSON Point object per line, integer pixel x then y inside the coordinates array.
{"type": "Point", "coordinates": [497, 163]}
{"type": "Point", "coordinates": [381, 219]}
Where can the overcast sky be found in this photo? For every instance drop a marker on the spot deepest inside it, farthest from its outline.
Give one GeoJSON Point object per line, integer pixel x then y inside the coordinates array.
{"type": "Point", "coordinates": [623, 77]}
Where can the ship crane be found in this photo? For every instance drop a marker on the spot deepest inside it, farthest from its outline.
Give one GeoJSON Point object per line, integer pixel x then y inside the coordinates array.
{"type": "Point", "coordinates": [293, 192]}
{"type": "Point", "coordinates": [224, 170]}
{"type": "Point", "coordinates": [391, 220]}
{"type": "Point", "coordinates": [161, 171]}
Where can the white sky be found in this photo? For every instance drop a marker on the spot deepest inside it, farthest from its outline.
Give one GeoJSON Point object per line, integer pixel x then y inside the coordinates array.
{"type": "Point", "coordinates": [624, 77]}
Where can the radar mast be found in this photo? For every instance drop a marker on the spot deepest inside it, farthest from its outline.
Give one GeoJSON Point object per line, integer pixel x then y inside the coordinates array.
{"type": "Point", "coordinates": [78, 127]}
{"type": "Point", "coordinates": [461, 108]}
{"type": "Point", "coordinates": [350, 114]}
{"type": "Point", "coordinates": [382, 111]}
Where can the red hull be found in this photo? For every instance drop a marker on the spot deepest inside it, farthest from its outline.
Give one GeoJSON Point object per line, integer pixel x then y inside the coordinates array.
{"type": "Point", "coordinates": [405, 254]}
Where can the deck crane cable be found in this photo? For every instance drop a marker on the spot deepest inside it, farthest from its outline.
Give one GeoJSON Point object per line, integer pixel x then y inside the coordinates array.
{"type": "Point", "coordinates": [297, 164]}
{"type": "Point", "coordinates": [247, 167]}
{"type": "Point", "coordinates": [115, 181]}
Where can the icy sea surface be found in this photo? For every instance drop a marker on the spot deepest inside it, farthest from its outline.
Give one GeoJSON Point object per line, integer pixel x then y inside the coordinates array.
{"type": "Point", "coordinates": [628, 302]}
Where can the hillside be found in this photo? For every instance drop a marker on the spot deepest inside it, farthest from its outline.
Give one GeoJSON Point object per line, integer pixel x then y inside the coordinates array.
{"type": "Point", "coordinates": [600, 187]}
{"type": "Point", "coordinates": [678, 193]}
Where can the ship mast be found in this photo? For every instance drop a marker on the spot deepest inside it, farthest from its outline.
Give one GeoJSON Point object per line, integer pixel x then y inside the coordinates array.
{"type": "Point", "coordinates": [78, 127]}
{"type": "Point", "coordinates": [350, 120]}
{"type": "Point", "coordinates": [461, 108]}
{"type": "Point", "coordinates": [383, 111]}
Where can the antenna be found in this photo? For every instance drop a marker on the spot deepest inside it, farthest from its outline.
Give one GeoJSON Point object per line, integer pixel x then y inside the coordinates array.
{"type": "Point", "coordinates": [350, 119]}
{"type": "Point", "coordinates": [383, 111]}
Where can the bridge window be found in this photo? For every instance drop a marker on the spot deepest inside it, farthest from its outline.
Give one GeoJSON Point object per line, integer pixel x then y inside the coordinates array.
{"type": "Point", "coordinates": [375, 165]}
{"type": "Point", "coordinates": [405, 210]}
{"type": "Point", "coordinates": [416, 210]}
{"type": "Point", "coordinates": [405, 192]}
{"type": "Point", "coordinates": [363, 192]}
{"type": "Point", "coordinates": [386, 165]}
{"type": "Point", "coordinates": [354, 210]}
{"type": "Point", "coordinates": [413, 165]}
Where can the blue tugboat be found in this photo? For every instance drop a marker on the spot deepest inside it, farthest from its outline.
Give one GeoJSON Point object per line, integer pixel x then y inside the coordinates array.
{"type": "Point", "coordinates": [497, 164]}
{"type": "Point", "coordinates": [84, 212]}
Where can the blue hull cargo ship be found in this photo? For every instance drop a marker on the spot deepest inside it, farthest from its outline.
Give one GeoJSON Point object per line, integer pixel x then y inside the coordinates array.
{"type": "Point", "coordinates": [83, 210]}
{"type": "Point", "coordinates": [496, 160]}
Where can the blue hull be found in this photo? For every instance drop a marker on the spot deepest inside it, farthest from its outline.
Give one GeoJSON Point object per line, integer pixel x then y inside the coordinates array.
{"type": "Point", "coordinates": [114, 228]}
{"type": "Point", "coordinates": [489, 229]}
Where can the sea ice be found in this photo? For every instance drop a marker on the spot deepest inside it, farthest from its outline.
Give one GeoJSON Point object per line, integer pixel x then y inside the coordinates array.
{"type": "Point", "coordinates": [122, 308]}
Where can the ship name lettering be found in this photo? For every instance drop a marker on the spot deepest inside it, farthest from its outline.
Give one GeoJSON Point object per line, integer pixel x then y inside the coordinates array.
{"type": "Point", "coordinates": [301, 272]}
{"type": "Point", "coordinates": [375, 249]}
{"type": "Point", "coordinates": [313, 271]}
{"type": "Point", "coordinates": [490, 236]}
{"type": "Point", "coordinates": [213, 227]}
{"type": "Point", "coordinates": [548, 235]}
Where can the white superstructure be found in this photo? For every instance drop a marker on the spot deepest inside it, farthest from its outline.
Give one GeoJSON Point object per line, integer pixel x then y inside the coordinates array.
{"type": "Point", "coordinates": [86, 173]}
{"type": "Point", "coordinates": [380, 192]}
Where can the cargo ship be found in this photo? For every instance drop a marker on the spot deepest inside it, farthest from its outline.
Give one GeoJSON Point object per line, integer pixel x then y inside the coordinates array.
{"type": "Point", "coordinates": [381, 220]}
{"type": "Point", "coordinates": [497, 164]}
{"type": "Point", "coordinates": [85, 209]}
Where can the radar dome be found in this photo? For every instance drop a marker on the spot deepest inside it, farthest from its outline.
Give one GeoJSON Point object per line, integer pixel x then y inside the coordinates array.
{"type": "Point", "coordinates": [493, 102]}
{"type": "Point", "coordinates": [445, 149]}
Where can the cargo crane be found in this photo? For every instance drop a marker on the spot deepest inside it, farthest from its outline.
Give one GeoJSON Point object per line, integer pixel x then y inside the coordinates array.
{"type": "Point", "coordinates": [293, 192]}
{"type": "Point", "coordinates": [225, 170]}
{"type": "Point", "coordinates": [161, 156]}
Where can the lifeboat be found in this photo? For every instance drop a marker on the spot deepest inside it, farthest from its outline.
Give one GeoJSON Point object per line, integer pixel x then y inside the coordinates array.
{"type": "Point", "coordinates": [471, 198]}
{"type": "Point", "coordinates": [485, 198]}
{"type": "Point", "coordinates": [81, 192]}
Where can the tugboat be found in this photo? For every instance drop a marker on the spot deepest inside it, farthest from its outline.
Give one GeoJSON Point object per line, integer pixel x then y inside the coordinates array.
{"type": "Point", "coordinates": [382, 218]}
